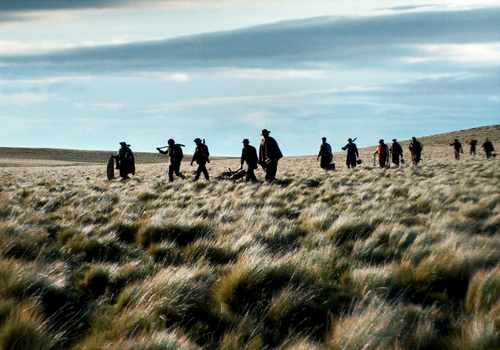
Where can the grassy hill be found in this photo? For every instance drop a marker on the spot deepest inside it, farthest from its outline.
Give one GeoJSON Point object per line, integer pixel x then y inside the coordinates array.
{"type": "Point", "coordinates": [365, 258]}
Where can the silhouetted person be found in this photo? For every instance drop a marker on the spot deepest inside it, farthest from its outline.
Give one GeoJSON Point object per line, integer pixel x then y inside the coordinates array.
{"type": "Point", "coordinates": [325, 154]}
{"type": "Point", "coordinates": [488, 148]}
{"type": "Point", "coordinates": [415, 148]}
{"type": "Point", "coordinates": [383, 154]}
{"type": "Point", "coordinates": [352, 153]}
{"type": "Point", "coordinates": [175, 156]}
{"type": "Point", "coordinates": [472, 144]}
{"type": "Point", "coordinates": [269, 155]}
{"type": "Point", "coordinates": [457, 146]}
{"type": "Point", "coordinates": [125, 161]}
{"type": "Point", "coordinates": [249, 155]}
{"type": "Point", "coordinates": [396, 152]}
{"type": "Point", "coordinates": [201, 157]}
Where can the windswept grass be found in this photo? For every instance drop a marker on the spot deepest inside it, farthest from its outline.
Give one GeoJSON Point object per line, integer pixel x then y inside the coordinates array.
{"type": "Point", "coordinates": [399, 258]}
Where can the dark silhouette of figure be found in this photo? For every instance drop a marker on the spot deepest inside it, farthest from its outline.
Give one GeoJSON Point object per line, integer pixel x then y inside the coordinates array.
{"type": "Point", "coordinates": [269, 155]}
{"type": "Point", "coordinates": [457, 146]}
{"type": "Point", "coordinates": [472, 144]}
{"type": "Point", "coordinates": [488, 148]}
{"type": "Point", "coordinates": [352, 153]}
{"type": "Point", "coordinates": [396, 152]}
{"type": "Point", "coordinates": [201, 155]}
{"type": "Point", "coordinates": [175, 156]}
{"type": "Point", "coordinates": [125, 161]}
{"type": "Point", "coordinates": [325, 154]}
{"type": "Point", "coordinates": [415, 148]}
{"type": "Point", "coordinates": [383, 154]}
{"type": "Point", "coordinates": [249, 155]}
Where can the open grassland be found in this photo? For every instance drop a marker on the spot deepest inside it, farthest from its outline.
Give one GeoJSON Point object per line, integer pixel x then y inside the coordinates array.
{"type": "Point", "coordinates": [399, 258]}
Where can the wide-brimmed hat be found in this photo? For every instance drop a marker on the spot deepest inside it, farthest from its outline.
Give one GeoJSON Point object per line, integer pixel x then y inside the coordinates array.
{"type": "Point", "coordinates": [246, 141]}
{"type": "Point", "coordinates": [265, 132]}
{"type": "Point", "coordinates": [123, 143]}
{"type": "Point", "coordinates": [197, 140]}
{"type": "Point", "coordinates": [394, 140]}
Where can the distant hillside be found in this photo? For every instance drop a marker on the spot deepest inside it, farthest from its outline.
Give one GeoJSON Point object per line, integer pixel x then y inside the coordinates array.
{"type": "Point", "coordinates": [464, 136]}
{"type": "Point", "coordinates": [10, 156]}
{"type": "Point", "coordinates": [19, 157]}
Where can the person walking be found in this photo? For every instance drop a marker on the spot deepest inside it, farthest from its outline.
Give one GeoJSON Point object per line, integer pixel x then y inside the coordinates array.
{"type": "Point", "coordinates": [396, 152]}
{"type": "Point", "coordinates": [325, 153]}
{"type": "Point", "coordinates": [415, 148]}
{"type": "Point", "coordinates": [383, 153]}
{"type": "Point", "coordinates": [269, 155]}
{"type": "Point", "coordinates": [457, 146]}
{"type": "Point", "coordinates": [249, 155]}
{"type": "Point", "coordinates": [352, 153]}
{"type": "Point", "coordinates": [175, 155]}
{"type": "Point", "coordinates": [125, 161]}
{"type": "Point", "coordinates": [201, 155]}
{"type": "Point", "coordinates": [472, 144]}
{"type": "Point", "coordinates": [488, 148]}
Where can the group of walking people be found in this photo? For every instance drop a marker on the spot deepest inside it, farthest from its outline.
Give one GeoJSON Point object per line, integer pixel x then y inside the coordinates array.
{"type": "Point", "coordinates": [394, 152]}
{"type": "Point", "coordinates": [267, 157]}
{"type": "Point", "coordinates": [487, 147]}
{"type": "Point", "coordinates": [269, 154]}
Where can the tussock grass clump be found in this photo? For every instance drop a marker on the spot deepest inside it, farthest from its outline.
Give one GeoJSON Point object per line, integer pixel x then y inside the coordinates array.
{"type": "Point", "coordinates": [250, 282]}
{"type": "Point", "coordinates": [348, 228]}
{"type": "Point", "coordinates": [164, 340]}
{"type": "Point", "coordinates": [175, 295]}
{"type": "Point", "coordinates": [94, 249]}
{"type": "Point", "coordinates": [96, 280]}
{"type": "Point", "coordinates": [207, 250]}
{"type": "Point", "coordinates": [373, 324]}
{"type": "Point", "coordinates": [172, 230]}
{"type": "Point", "coordinates": [22, 327]}
{"type": "Point", "coordinates": [483, 294]}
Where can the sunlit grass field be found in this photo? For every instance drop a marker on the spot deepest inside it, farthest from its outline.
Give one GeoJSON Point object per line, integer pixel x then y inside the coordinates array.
{"type": "Point", "coordinates": [369, 258]}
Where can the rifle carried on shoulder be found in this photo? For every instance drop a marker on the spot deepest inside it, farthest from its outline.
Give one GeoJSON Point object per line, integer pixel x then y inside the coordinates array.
{"type": "Point", "coordinates": [178, 144]}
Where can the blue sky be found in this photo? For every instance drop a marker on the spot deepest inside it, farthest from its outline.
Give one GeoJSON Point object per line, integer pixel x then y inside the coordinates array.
{"type": "Point", "coordinates": [87, 75]}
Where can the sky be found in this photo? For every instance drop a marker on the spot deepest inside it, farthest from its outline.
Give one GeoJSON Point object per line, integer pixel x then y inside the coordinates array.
{"type": "Point", "coordinates": [90, 74]}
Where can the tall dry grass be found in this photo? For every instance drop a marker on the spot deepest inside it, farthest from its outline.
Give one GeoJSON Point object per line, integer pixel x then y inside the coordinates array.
{"type": "Point", "coordinates": [399, 258]}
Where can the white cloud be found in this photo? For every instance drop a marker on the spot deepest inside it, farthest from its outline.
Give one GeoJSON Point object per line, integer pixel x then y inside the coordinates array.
{"type": "Point", "coordinates": [487, 53]}
{"type": "Point", "coordinates": [174, 76]}
{"type": "Point", "coordinates": [24, 98]}
{"type": "Point", "coordinates": [99, 106]}
{"type": "Point", "coordinates": [269, 74]}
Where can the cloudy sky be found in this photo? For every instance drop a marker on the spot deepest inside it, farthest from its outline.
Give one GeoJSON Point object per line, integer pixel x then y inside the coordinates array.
{"type": "Point", "coordinates": [89, 74]}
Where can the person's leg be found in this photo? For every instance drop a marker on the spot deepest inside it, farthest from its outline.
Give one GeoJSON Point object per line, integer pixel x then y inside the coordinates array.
{"type": "Point", "coordinates": [272, 169]}
{"type": "Point", "coordinates": [198, 172]}
{"type": "Point", "coordinates": [250, 174]}
{"type": "Point", "coordinates": [177, 171]}
{"type": "Point", "coordinates": [170, 173]}
{"type": "Point", "coordinates": [204, 170]}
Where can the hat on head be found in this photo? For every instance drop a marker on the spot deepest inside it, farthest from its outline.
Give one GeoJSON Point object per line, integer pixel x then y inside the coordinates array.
{"type": "Point", "coordinates": [394, 140]}
{"type": "Point", "coordinates": [246, 141]}
{"type": "Point", "coordinates": [197, 140]}
{"type": "Point", "coordinates": [123, 143]}
{"type": "Point", "coordinates": [349, 139]}
{"type": "Point", "coordinates": [170, 141]}
{"type": "Point", "coordinates": [380, 141]}
{"type": "Point", "coordinates": [323, 138]}
{"type": "Point", "coordinates": [265, 132]}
